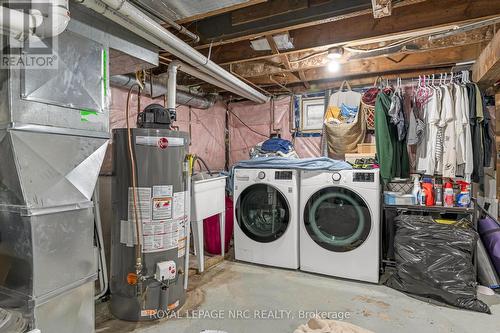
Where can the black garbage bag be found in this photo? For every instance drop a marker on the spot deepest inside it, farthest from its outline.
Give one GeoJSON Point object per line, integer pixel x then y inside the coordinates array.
{"type": "Point", "coordinates": [436, 261]}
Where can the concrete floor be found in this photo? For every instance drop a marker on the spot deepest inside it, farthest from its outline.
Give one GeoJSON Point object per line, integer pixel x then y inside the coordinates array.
{"type": "Point", "coordinates": [216, 297]}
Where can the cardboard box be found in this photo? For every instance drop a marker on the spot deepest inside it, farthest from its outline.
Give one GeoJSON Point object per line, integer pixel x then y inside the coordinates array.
{"type": "Point", "coordinates": [367, 148]}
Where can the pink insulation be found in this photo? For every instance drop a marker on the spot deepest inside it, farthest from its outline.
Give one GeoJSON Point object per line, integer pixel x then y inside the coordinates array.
{"type": "Point", "coordinates": [207, 127]}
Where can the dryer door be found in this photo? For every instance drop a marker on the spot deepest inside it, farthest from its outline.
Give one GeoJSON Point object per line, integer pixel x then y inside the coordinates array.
{"type": "Point", "coordinates": [263, 213]}
{"type": "Point", "coordinates": [337, 219]}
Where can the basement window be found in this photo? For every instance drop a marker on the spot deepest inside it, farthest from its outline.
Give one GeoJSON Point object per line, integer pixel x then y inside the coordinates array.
{"type": "Point", "coordinates": [311, 114]}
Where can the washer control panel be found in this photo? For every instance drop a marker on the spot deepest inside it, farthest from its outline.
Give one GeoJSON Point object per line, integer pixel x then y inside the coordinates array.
{"type": "Point", "coordinates": [283, 175]}
{"type": "Point", "coordinates": [363, 177]}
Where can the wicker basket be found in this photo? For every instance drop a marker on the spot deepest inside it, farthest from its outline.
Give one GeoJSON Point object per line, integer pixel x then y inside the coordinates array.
{"type": "Point", "coordinates": [369, 115]}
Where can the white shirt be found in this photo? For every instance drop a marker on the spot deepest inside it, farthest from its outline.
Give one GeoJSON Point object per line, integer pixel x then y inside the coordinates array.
{"type": "Point", "coordinates": [426, 150]}
{"type": "Point", "coordinates": [450, 140]}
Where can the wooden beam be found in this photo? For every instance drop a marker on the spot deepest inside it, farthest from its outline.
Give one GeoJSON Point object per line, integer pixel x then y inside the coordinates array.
{"type": "Point", "coordinates": [289, 25]}
{"type": "Point", "coordinates": [363, 81]}
{"type": "Point", "coordinates": [424, 60]}
{"type": "Point", "coordinates": [303, 78]}
{"type": "Point", "coordinates": [381, 8]}
{"type": "Point", "coordinates": [309, 60]}
{"type": "Point", "coordinates": [276, 51]}
{"type": "Point", "coordinates": [405, 20]}
{"type": "Point", "coordinates": [486, 70]}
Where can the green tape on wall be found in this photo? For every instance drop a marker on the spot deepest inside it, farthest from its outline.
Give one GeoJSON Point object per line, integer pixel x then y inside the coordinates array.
{"type": "Point", "coordinates": [105, 71]}
{"type": "Point", "coordinates": [85, 114]}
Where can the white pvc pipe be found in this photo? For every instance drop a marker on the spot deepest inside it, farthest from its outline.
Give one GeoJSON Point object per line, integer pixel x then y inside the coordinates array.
{"type": "Point", "coordinates": [127, 15]}
{"type": "Point", "coordinates": [202, 76]}
{"type": "Point", "coordinates": [14, 22]}
{"type": "Point", "coordinates": [171, 86]}
{"type": "Point", "coordinates": [55, 18]}
{"type": "Point", "coordinates": [45, 19]}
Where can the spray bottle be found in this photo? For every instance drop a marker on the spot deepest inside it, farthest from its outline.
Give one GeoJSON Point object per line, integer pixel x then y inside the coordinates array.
{"type": "Point", "coordinates": [463, 198]}
{"type": "Point", "coordinates": [449, 197]}
{"type": "Point", "coordinates": [416, 190]}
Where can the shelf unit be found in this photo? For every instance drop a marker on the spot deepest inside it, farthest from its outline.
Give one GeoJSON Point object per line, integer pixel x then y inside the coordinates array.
{"type": "Point", "coordinates": [470, 211]}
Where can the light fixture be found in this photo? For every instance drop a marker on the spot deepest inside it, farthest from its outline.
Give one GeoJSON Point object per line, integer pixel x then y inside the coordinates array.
{"type": "Point", "coordinates": [333, 66]}
{"type": "Point", "coordinates": [335, 53]}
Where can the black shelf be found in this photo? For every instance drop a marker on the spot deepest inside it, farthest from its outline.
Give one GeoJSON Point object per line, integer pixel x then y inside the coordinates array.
{"type": "Point", "coordinates": [437, 209]}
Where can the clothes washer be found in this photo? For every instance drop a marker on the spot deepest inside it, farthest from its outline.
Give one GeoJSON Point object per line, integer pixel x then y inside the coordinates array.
{"type": "Point", "coordinates": [340, 223]}
{"type": "Point", "coordinates": [266, 212]}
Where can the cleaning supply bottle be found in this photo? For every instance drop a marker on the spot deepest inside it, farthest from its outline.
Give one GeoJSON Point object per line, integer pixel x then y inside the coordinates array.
{"type": "Point", "coordinates": [438, 190]}
{"type": "Point", "coordinates": [449, 198]}
{"type": "Point", "coordinates": [463, 198]}
{"type": "Point", "coordinates": [416, 190]}
{"type": "Point", "coordinates": [428, 189]}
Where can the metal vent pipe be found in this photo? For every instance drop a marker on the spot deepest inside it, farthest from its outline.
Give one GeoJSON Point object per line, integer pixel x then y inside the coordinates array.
{"type": "Point", "coordinates": [130, 17]}
{"type": "Point", "coordinates": [159, 86]}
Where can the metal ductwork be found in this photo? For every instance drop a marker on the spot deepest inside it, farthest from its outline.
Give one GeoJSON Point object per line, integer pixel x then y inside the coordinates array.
{"type": "Point", "coordinates": [159, 88]}
{"type": "Point", "coordinates": [130, 17]}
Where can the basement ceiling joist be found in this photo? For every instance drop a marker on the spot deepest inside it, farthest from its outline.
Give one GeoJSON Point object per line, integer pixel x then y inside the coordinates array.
{"type": "Point", "coordinates": [320, 59]}
{"type": "Point", "coordinates": [424, 60]}
{"type": "Point", "coordinates": [418, 17]}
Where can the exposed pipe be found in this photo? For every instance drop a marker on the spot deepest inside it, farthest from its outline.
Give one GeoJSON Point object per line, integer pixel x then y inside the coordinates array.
{"type": "Point", "coordinates": [14, 22]}
{"type": "Point", "coordinates": [205, 77]}
{"type": "Point", "coordinates": [103, 268]}
{"type": "Point", "coordinates": [159, 87]}
{"type": "Point", "coordinates": [130, 17]}
{"type": "Point", "coordinates": [45, 19]}
{"type": "Point", "coordinates": [171, 86]}
{"type": "Point", "coordinates": [55, 17]}
{"type": "Point", "coordinates": [168, 20]}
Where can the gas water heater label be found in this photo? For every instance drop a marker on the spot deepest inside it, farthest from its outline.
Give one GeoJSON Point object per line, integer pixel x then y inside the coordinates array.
{"type": "Point", "coordinates": [179, 205]}
{"type": "Point", "coordinates": [163, 190]}
{"type": "Point", "coordinates": [160, 235]}
{"type": "Point", "coordinates": [142, 203]}
{"type": "Point", "coordinates": [162, 208]}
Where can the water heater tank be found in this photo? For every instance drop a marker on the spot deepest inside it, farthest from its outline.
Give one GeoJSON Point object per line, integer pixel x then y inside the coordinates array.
{"type": "Point", "coordinates": [162, 208]}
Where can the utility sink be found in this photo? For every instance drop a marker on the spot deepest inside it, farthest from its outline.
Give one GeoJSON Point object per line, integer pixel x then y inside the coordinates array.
{"type": "Point", "coordinates": [208, 194]}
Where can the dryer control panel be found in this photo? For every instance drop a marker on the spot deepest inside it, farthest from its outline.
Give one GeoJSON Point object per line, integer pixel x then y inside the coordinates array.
{"type": "Point", "coordinates": [283, 175]}
{"type": "Point", "coordinates": [363, 177]}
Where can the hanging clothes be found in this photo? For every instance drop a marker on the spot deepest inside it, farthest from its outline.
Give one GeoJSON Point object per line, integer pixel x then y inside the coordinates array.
{"type": "Point", "coordinates": [426, 150]}
{"type": "Point", "coordinates": [391, 152]}
{"type": "Point", "coordinates": [449, 156]}
{"type": "Point", "coordinates": [475, 119]}
{"type": "Point", "coordinates": [487, 136]}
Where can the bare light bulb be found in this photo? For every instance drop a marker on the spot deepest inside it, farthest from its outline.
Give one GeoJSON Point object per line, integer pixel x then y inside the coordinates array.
{"type": "Point", "coordinates": [333, 66]}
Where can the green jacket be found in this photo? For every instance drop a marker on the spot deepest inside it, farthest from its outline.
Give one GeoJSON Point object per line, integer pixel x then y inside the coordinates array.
{"type": "Point", "coordinates": [392, 154]}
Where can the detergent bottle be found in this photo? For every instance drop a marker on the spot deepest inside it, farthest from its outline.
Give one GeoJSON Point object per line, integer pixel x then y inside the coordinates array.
{"type": "Point", "coordinates": [463, 198]}
{"type": "Point", "coordinates": [428, 189]}
{"type": "Point", "coordinates": [449, 198]}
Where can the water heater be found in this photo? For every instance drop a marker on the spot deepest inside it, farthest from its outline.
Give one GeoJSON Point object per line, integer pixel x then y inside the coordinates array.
{"type": "Point", "coordinates": [158, 200]}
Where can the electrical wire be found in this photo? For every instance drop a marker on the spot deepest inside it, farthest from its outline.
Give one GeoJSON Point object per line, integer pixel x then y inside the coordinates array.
{"type": "Point", "coordinates": [244, 124]}
{"type": "Point", "coordinates": [138, 226]}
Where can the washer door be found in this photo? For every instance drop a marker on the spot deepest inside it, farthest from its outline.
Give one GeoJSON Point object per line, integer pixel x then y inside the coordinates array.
{"type": "Point", "coordinates": [337, 219]}
{"type": "Point", "coordinates": [263, 213]}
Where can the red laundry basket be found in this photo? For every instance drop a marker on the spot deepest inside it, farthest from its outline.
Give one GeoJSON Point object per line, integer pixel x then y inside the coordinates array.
{"type": "Point", "coordinates": [211, 230]}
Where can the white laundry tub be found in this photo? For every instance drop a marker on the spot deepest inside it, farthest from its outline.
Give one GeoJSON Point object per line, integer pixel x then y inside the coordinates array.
{"type": "Point", "coordinates": [207, 195]}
